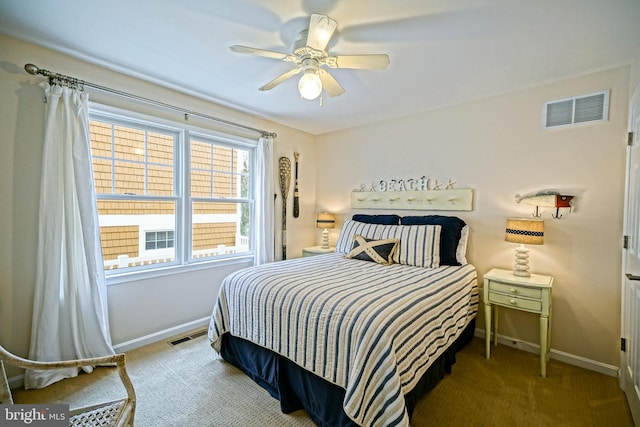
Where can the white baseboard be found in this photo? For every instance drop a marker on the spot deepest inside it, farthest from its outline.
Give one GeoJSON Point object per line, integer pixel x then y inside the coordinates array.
{"type": "Point", "coordinates": [561, 356]}
{"type": "Point", "coordinates": [160, 335]}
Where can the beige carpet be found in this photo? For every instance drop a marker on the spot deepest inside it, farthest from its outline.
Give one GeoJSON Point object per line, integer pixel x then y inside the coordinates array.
{"type": "Point", "coordinates": [507, 390]}
{"type": "Point", "coordinates": [187, 385]}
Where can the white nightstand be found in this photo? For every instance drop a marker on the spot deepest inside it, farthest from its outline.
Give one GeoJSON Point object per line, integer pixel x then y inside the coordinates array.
{"type": "Point", "coordinates": [532, 294]}
{"type": "Point", "coordinates": [317, 250]}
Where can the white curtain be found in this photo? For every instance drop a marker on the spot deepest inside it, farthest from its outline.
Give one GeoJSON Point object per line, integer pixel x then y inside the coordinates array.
{"type": "Point", "coordinates": [70, 308]}
{"type": "Point", "coordinates": [264, 217]}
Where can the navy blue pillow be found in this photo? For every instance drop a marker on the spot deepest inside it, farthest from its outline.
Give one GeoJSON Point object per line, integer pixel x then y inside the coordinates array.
{"type": "Point", "coordinates": [378, 251]}
{"type": "Point", "coordinates": [449, 234]}
{"type": "Point", "coordinates": [377, 219]}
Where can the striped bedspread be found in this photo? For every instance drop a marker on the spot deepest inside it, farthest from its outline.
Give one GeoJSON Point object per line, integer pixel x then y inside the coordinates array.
{"type": "Point", "coordinates": [372, 329]}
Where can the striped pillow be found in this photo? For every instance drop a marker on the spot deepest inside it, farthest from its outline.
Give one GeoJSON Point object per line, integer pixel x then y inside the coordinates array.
{"type": "Point", "coordinates": [419, 245]}
{"type": "Point", "coordinates": [350, 228]}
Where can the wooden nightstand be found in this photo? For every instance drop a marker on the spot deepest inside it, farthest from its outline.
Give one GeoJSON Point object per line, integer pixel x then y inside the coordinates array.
{"type": "Point", "coordinates": [317, 250]}
{"type": "Point", "coordinates": [532, 294]}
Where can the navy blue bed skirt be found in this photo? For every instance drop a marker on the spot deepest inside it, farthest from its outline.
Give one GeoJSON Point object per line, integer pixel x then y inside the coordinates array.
{"type": "Point", "coordinates": [297, 388]}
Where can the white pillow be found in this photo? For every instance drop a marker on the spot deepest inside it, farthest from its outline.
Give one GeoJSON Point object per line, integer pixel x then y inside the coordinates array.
{"type": "Point", "coordinates": [461, 251]}
{"type": "Point", "coordinates": [419, 245]}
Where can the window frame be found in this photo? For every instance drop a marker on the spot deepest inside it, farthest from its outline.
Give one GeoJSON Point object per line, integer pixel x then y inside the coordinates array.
{"type": "Point", "coordinates": [185, 132]}
{"type": "Point", "coordinates": [190, 200]}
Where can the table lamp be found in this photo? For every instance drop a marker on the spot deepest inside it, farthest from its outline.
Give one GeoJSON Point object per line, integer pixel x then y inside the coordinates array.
{"type": "Point", "coordinates": [526, 232]}
{"type": "Point", "coordinates": [325, 221]}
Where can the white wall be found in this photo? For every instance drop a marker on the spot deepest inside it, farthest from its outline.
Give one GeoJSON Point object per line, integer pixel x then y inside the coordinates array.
{"type": "Point", "coordinates": [498, 147]}
{"type": "Point", "coordinates": [143, 308]}
{"type": "Point", "coordinates": [634, 83]}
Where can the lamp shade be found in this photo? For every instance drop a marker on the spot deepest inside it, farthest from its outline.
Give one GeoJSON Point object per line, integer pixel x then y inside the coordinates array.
{"type": "Point", "coordinates": [525, 231]}
{"type": "Point", "coordinates": [326, 220]}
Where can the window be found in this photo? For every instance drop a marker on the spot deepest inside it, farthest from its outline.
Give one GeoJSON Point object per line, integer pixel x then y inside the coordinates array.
{"type": "Point", "coordinates": [158, 240]}
{"type": "Point", "coordinates": [219, 197]}
{"type": "Point", "coordinates": [168, 195]}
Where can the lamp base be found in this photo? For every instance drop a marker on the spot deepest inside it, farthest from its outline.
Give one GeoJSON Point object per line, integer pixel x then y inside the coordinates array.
{"type": "Point", "coordinates": [521, 273]}
{"type": "Point", "coordinates": [521, 268]}
{"type": "Point", "coordinates": [325, 239]}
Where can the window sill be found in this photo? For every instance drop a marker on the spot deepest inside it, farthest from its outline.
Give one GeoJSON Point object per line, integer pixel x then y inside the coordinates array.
{"type": "Point", "coordinates": [133, 276]}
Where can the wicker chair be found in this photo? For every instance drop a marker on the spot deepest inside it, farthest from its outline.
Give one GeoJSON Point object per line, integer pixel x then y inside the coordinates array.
{"type": "Point", "coordinates": [114, 413]}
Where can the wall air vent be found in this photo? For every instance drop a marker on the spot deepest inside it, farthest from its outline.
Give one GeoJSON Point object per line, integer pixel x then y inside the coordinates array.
{"type": "Point", "coordinates": [593, 107]}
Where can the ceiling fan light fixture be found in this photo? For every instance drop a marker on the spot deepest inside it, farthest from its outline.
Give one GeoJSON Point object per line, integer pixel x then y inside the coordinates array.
{"type": "Point", "coordinates": [309, 85]}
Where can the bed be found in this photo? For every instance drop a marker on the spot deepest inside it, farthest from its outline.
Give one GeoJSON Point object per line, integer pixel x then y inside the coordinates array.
{"type": "Point", "coordinates": [354, 337]}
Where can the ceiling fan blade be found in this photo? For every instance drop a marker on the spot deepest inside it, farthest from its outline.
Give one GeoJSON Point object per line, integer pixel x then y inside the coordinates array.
{"type": "Point", "coordinates": [329, 84]}
{"type": "Point", "coordinates": [321, 28]}
{"type": "Point", "coordinates": [471, 22]}
{"type": "Point", "coordinates": [376, 61]}
{"type": "Point", "coordinates": [261, 52]}
{"type": "Point", "coordinates": [282, 77]}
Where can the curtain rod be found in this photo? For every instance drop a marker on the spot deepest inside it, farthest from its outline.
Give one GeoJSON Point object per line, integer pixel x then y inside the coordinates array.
{"type": "Point", "coordinates": [34, 70]}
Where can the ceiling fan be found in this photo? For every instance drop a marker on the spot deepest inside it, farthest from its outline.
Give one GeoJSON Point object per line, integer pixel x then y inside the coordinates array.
{"type": "Point", "coordinates": [310, 55]}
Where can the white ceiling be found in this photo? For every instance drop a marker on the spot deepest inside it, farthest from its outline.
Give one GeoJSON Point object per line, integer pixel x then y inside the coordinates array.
{"type": "Point", "coordinates": [442, 52]}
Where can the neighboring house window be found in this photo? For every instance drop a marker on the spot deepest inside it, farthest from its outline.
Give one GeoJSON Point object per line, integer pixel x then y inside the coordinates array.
{"type": "Point", "coordinates": [158, 240]}
{"type": "Point", "coordinates": [168, 195]}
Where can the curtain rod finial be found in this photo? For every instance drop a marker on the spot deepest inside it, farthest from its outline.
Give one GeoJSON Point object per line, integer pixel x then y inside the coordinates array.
{"type": "Point", "coordinates": [31, 69]}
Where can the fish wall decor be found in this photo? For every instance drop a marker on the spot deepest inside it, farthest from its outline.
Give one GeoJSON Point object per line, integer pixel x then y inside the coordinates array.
{"type": "Point", "coordinates": [547, 200]}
